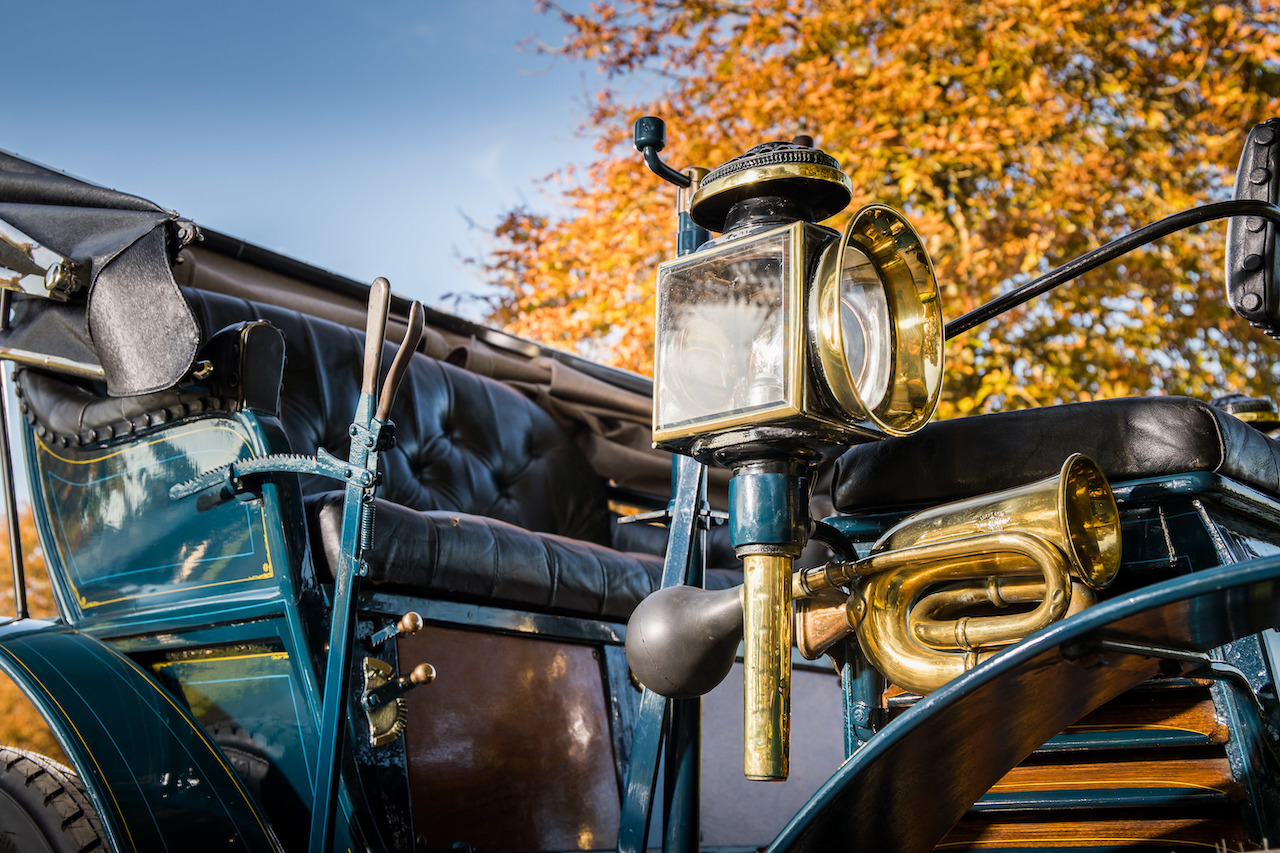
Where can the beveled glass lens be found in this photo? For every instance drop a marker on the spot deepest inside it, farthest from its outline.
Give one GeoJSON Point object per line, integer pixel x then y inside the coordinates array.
{"type": "Point", "coordinates": [866, 327]}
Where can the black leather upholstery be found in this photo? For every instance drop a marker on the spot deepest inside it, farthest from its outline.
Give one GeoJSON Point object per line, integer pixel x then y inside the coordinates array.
{"type": "Point", "coordinates": [1129, 438]}
{"type": "Point", "coordinates": [487, 560]}
{"type": "Point", "coordinates": [463, 443]}
{"type": "Point", "coordinates": [484, 497]}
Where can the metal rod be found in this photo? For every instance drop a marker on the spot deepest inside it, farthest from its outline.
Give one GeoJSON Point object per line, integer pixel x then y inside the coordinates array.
{"type": "Point", "coordinates": [642, 775]}
{"type": "Point", "coordinates": [357, 519]}
{"type": "Point", "coordinates": [16, 562]}
{"type": "Point", "coordinates": [53, 362]}
{"type": "Point", "coordinates": [683, 785]}
{"type": "Point", "coordinates": [1109, 252]}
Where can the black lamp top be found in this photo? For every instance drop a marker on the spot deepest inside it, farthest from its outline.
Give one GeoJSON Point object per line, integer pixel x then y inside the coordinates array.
{"type": "Point", "coordinates": [790, 175]}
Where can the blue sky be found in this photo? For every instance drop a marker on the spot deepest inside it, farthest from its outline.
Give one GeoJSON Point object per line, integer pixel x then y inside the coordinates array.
{"type": "Point", "coordinates": [357, 136]}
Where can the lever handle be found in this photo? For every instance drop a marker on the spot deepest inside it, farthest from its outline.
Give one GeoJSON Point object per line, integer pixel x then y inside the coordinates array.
{"type": "Point", "coordinates": [375, 332]}
{"type": "Point", "coordinates": [650, 136]}
{"type": "Point", "coordinates": [412, 336]}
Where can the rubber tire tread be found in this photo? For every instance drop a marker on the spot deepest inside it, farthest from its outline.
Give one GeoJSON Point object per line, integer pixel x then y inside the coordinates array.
{"type": "Point", "coordinates": [54, 798]}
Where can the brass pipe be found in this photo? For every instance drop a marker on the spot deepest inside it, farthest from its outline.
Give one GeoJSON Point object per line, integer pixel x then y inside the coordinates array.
{"type": "Point", "coordinates": [933, 618]}
{"type": "Point", "coordinates": [767, 665]}
{"type": "Point", "coordinates": [684, 195]}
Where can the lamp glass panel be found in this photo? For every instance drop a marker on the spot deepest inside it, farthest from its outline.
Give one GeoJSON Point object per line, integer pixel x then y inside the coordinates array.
{"type": "Point", "coordinates": [722, 326]}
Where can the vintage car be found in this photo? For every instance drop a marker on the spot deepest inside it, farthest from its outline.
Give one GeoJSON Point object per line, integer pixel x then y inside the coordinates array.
{"type": "Point", "coordinates": [476, 594]}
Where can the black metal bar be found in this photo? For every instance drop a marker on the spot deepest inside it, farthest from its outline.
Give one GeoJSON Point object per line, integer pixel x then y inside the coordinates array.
{"type": "Point", "coordinates": [1109, 252]}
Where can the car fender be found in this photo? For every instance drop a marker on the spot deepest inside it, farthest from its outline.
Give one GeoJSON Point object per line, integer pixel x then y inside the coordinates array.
{"type": "Point", "coordinates": [155, 778]}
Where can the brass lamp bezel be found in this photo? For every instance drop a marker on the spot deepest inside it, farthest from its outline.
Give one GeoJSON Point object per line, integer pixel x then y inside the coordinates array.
{"type": "Point", "coordinates": [911, 288]}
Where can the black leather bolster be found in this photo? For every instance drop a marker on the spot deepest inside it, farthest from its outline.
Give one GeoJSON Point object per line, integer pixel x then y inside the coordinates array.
{"type": "Point", "coordinates": [475, 558]}
{"type": "Point", "coordinates": [71, 412]}
{"type": "Point", "coordinates": [1129, 438]}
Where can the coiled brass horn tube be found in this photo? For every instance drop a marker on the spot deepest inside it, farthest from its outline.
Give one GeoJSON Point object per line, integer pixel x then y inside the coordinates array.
{"type": "Point", "coordinates": [1019, 554]}
{"type": "Point", "coordinates": [886, 634]}
{"type": "Point", "coordinates": [933, 617]}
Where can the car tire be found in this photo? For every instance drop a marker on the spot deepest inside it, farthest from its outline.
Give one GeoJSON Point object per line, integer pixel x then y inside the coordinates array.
{"type": "Point", "coordinates": [44, 807]}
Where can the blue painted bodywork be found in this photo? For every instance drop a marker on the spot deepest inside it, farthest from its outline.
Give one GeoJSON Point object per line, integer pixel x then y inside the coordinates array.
{"type": "Point", "coordinates": [209, 606]}
{"type": "Point", "coordinates": [211, 595]}
{"type": "Point", "coordinates": [155, 778]}
{"type": "Point", "coordinates": [206, 612]}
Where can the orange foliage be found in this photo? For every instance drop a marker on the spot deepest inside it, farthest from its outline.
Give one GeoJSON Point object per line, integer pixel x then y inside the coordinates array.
{"type": "Point", "coordinates": [1014, 135]}
{"type": "Point", "coordinates": [20, 724]}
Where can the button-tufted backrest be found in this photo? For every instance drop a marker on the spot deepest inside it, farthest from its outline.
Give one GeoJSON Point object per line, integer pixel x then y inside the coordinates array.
{"type": "Point", "coordinates": [464, 443]}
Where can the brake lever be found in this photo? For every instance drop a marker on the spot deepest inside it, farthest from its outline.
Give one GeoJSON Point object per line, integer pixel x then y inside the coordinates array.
{"type": "Point", "coordinates": [375, 333]}
{"type": "Point", "coordinates": [391, 386]}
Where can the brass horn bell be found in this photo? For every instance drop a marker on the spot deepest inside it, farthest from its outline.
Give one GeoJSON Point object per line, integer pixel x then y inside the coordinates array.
{"type": "Point", "coordinates": [926, 601]}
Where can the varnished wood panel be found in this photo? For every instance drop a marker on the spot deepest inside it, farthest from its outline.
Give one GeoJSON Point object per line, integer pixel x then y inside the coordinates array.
{"type": "Point", "coordinates": [1188, 709]}
{"type": "Point", "coordinates": [1199, 831]}
{"type": "Point", "coordinates": [509, 748]}
{"type": "Point", "coordinates": [1181, 709]}
{"type": "Point", "coordinates": [1196, 771]}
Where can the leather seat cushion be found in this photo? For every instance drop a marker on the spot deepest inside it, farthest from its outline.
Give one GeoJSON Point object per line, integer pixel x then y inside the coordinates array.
{"type": "Point", "coordinates": [464, 443]}
{"type": "Point", "coordinates": [1130, 438]}
{"type": "Point", "coordinates": [474, 558]}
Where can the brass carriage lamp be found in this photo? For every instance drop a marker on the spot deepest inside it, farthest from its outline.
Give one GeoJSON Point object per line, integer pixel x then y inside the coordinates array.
{"type": "Point", "coordinates": [781, 327]}
{"type": "Point", "coordinates": [774, 341]}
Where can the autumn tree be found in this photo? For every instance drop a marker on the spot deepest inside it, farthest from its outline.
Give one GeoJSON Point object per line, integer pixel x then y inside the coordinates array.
{"type": "Point", "coordinates": [1015, 135]}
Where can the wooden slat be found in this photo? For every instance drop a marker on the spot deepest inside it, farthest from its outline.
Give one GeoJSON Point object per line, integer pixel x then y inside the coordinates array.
{"type": "Point", "coordinates": [1208, 772]}
{"type": "Point", "coordinates": [1203, 831]}
{"type": "Point", "coordinates": [1182, 709]}
{"type": "Point", "coordinates": [1186, 710]}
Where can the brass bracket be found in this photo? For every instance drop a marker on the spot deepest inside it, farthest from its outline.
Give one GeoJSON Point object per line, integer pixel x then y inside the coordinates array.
{"type": "Point", "coordinates": [386, 719]}
{"type": "Point", "coordinates": [383, 697]}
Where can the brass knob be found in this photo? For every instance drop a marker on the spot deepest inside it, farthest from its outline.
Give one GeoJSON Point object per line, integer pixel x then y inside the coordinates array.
{"type": "Point", "coordinates": [410, 623]}
{"type": "Point", "coordinates": [423, 673]}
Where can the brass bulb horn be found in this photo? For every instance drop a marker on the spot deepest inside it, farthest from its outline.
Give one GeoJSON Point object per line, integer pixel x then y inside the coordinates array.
{"type": "Point", "coordinates": [922, 601]}
{"type": "Point", "coordinates": [919, 597]}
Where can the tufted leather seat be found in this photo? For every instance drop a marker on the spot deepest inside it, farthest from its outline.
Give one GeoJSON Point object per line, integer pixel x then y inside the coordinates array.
{"type": "Point", "coordinates": [1130, 438]}
{"type": "Point", "coordinates": [483, 497]}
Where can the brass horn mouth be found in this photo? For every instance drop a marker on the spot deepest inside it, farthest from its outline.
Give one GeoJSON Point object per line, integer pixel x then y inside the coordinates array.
{"type": "Point", "coordinates": [1090, 521]}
